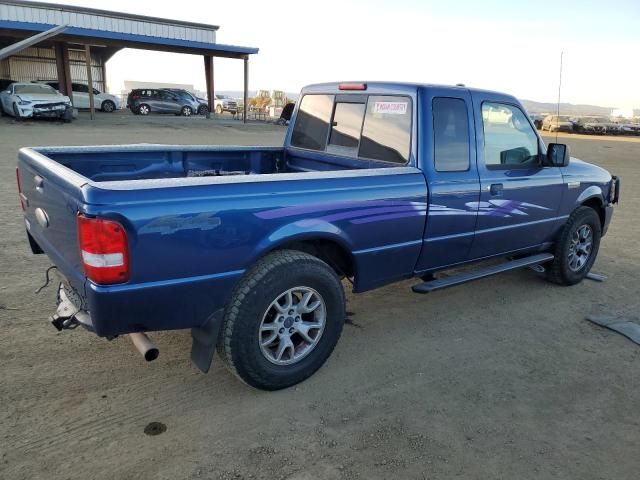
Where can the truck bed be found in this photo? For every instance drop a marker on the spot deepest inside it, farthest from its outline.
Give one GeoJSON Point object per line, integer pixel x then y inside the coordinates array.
{"type": "Point", "coordinates": [140, 162]}
{"type": "Point", "coordinates": [197, 217]}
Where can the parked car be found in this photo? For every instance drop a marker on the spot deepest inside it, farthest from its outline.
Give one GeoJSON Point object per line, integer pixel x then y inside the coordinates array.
{"type": "Point", "coordinates": [628, 128]}
{"type": "Point", "coordinates": [247, 246]}
{"type": "Point", "coordinates": [597, 125]}
{"type": "Point", "coordinates": [28, 100]}
{"type": "Point", "coordinates": [537, 119]}
{"type": "Point", "coordinates": [224, 103]}
{"type": "Point", "coordinates": [143, 101]}
{"type": "Point", "coordinates": [104, 102]}
{"type": "Point", "coordinates": [555, 123]}
{"type": "Point", "coordinates": [203, 105]}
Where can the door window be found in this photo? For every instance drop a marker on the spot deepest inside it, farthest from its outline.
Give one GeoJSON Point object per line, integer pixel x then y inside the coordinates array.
{"type": "Point", "coordinates": [509, 139]}
{"type": "Point", "coordinates": [450, 134]}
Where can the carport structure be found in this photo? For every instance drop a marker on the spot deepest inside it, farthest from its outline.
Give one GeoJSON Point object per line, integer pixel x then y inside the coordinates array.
{"type": "Point", "coordinates": [60, 29]}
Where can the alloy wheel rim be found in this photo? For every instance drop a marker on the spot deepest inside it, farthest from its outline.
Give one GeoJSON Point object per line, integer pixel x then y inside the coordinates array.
{"type": "Point", "coordinates": [292, 326]}
{"type": "Point", "coordinates": [144, 110]}
{"type": "Point", "coordinates": [580, 248]}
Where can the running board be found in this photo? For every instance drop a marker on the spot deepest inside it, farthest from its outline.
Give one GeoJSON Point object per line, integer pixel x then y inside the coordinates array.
{"type": "Point", "coordinates": [440, 283]}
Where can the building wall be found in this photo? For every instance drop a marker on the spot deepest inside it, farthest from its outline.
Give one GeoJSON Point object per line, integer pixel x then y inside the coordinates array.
{"type": "Point", "coordinates": [39, 63]}
{"type": "Point", "coordinates": [107, 21]}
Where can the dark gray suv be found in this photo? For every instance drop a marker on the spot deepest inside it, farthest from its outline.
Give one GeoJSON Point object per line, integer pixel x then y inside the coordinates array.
{"type": "Point", "coordinates": [143, 101]}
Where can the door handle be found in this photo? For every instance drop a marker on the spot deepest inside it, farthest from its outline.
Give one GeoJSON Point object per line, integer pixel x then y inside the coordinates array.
{"type": "Point", "coordinates": [496, 189]}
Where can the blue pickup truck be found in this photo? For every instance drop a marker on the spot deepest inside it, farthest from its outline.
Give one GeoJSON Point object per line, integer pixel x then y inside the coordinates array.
{"type": "Point", "coordinates": [248, 246]}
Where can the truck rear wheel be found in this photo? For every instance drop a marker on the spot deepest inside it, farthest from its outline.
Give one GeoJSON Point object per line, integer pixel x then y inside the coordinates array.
{"type": "Point", "coordinates": [577, 247]}
{"type": "Point", "coordinates": [283, 320]}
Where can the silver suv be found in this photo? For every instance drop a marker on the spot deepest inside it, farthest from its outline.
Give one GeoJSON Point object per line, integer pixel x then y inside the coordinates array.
{"type": "Point", "coordinates": [143, 101]}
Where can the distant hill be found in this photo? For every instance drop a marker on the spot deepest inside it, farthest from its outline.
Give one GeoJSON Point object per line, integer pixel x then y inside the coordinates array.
{"type": "Point", "coordinates": [565, 108]}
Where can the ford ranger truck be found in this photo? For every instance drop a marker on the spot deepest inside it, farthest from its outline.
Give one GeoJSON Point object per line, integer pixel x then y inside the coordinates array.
{"type": "Point", "coordinates": [247, 246]}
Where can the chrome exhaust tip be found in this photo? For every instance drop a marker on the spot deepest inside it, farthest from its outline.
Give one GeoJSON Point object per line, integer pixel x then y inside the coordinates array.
{"type": "Point", "coordinates": [145, 346]}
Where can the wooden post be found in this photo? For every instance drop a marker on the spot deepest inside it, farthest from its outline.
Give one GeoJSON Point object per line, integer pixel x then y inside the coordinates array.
{"type": "Point", "coordinates": [64, 69]}
{"type": "Point", "coordinates": [208, 75]}
{"type": "Point", "coordinates": [87, 54]}
{"type": "Point", "coordinates": [246, 88]}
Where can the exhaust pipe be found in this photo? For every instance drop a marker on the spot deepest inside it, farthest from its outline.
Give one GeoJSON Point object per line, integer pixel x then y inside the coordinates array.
{"type": "Point", "coordinates": [145, 346]}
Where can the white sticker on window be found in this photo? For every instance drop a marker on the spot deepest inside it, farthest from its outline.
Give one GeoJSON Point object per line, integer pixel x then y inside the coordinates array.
{"type": "Point", "coordinates": [392, 108]}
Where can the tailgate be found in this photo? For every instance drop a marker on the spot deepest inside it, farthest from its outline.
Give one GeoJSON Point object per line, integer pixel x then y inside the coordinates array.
{"type": "Point", "coordinates": [52, 196]}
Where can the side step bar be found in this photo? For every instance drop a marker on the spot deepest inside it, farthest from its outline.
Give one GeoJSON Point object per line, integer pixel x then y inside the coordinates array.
{"type": "Point", "coordinates": [440, 283]}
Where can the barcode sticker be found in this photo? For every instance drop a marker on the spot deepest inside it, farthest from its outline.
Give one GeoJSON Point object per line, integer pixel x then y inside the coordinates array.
{"type": "Point", "coordinates": [392, 108]}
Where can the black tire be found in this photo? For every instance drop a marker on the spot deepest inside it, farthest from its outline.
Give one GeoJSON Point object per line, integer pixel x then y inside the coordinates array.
{"type": "Point", "coordinates": [269, 278]}
{"type": "Point", "coordinates": [219, 109]}
{"type": "Point", "coordinates": [203, 110]}
{"type": "Point", "coordinates": [560, 270]}
{"type": "Point", "coordinates": [67, 115]}
{"type": "Point", "coordinates": [16, 113]}
{"type": "Point", "coordinates": [186, 111]}
{"type": "Point", "coordinates": [108, 106]}
{"type": "Point", "coordinates": [143, 109]}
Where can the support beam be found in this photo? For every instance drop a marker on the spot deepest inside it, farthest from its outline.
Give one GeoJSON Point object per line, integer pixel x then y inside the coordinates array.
{"type": "Point", "coordinates": [31, 41]}
{"type": "Point", "coordinates": [87, 56]}
{"type": "Point", "coordinates": [64, 69]}
{"type": "Point", "coordinates": [245, 95]}
{"type": "Point", "coordinates": [208, 75]}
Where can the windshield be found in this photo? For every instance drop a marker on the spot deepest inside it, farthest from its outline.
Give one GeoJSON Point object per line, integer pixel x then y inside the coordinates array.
{"type": "Point", "coordinates": [34, 88]}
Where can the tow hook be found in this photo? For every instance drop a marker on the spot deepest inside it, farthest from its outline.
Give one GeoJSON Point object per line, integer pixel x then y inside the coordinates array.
{"type": "Point", "coordinates": [65, 317]}
{"type": "Point", "coordinates": [68, 314]}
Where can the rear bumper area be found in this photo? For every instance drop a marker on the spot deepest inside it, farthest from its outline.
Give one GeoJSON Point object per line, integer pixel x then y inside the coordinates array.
{"type": "Point", "coordinates": [166, 305]}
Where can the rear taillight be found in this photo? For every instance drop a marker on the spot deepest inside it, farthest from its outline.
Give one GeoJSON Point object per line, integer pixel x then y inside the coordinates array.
{"type": "Point", "coordinates": [104, 250]}
{"type": "Point", "coordinates": [19, 189]}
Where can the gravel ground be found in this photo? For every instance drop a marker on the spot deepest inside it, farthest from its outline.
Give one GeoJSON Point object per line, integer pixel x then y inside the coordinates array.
{"type": "Point", "coordinates": [498, 379]}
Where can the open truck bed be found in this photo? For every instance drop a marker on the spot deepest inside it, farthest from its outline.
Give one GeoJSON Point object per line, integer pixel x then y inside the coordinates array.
{"type": "Point", "coordinates": [195, 220]}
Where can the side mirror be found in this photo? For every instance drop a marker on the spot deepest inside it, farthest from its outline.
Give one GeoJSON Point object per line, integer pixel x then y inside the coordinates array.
{"type": "Point", "coordinates": [558, 155]}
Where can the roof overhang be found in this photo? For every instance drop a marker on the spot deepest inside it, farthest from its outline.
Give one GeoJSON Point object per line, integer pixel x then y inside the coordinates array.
{"type": "Point", "coordinates": [107, 38]}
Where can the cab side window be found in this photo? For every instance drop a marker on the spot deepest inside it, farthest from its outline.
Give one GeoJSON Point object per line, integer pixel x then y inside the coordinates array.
{"type": "Point", "coordinates": [509, 139]}
{"type": "Point", "coordinates": [450, 135]}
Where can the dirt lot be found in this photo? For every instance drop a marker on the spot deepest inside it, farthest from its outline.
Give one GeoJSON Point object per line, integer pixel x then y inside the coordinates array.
{"type": "Point", "coordinates": [499, 379]}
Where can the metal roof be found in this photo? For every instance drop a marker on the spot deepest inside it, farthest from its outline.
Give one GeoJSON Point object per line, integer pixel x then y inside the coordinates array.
{"type": "Point", "coordinates": [115, 29]}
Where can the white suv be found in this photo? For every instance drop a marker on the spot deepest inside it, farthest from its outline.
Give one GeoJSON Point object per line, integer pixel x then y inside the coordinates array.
{"type": "Point", "coordinates": [103, 101]}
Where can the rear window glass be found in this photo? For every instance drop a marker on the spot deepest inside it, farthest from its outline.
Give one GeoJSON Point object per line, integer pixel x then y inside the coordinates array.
{"type": "Point", "coordinates": [450, 135]}
{"type": "Point", "coordinates": [386, 133]}
{"type": "Point", "coordinates": [312, 123]}
{"type": "Point", "coordinates": [345, 129]}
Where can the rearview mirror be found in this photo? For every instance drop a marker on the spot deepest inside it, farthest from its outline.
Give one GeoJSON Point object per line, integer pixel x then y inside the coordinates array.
{"type": "Point", "coordinates": [558, 155]}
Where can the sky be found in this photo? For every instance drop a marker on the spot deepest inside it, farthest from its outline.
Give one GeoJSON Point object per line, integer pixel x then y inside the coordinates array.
{"type": "Point", "coordinates": [511, 46]}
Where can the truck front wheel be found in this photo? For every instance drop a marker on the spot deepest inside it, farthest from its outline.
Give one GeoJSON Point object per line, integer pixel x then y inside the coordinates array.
{"type": "Point", "coordinates": [283, 320]}
{"type": "Point", "coordinates": [576, 248]}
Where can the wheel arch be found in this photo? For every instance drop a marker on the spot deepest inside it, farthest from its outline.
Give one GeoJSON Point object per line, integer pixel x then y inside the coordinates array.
{"type": "Point", "coordinates": [329, 247]}
{"type": "Point", "coordinates": [592, 197]}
